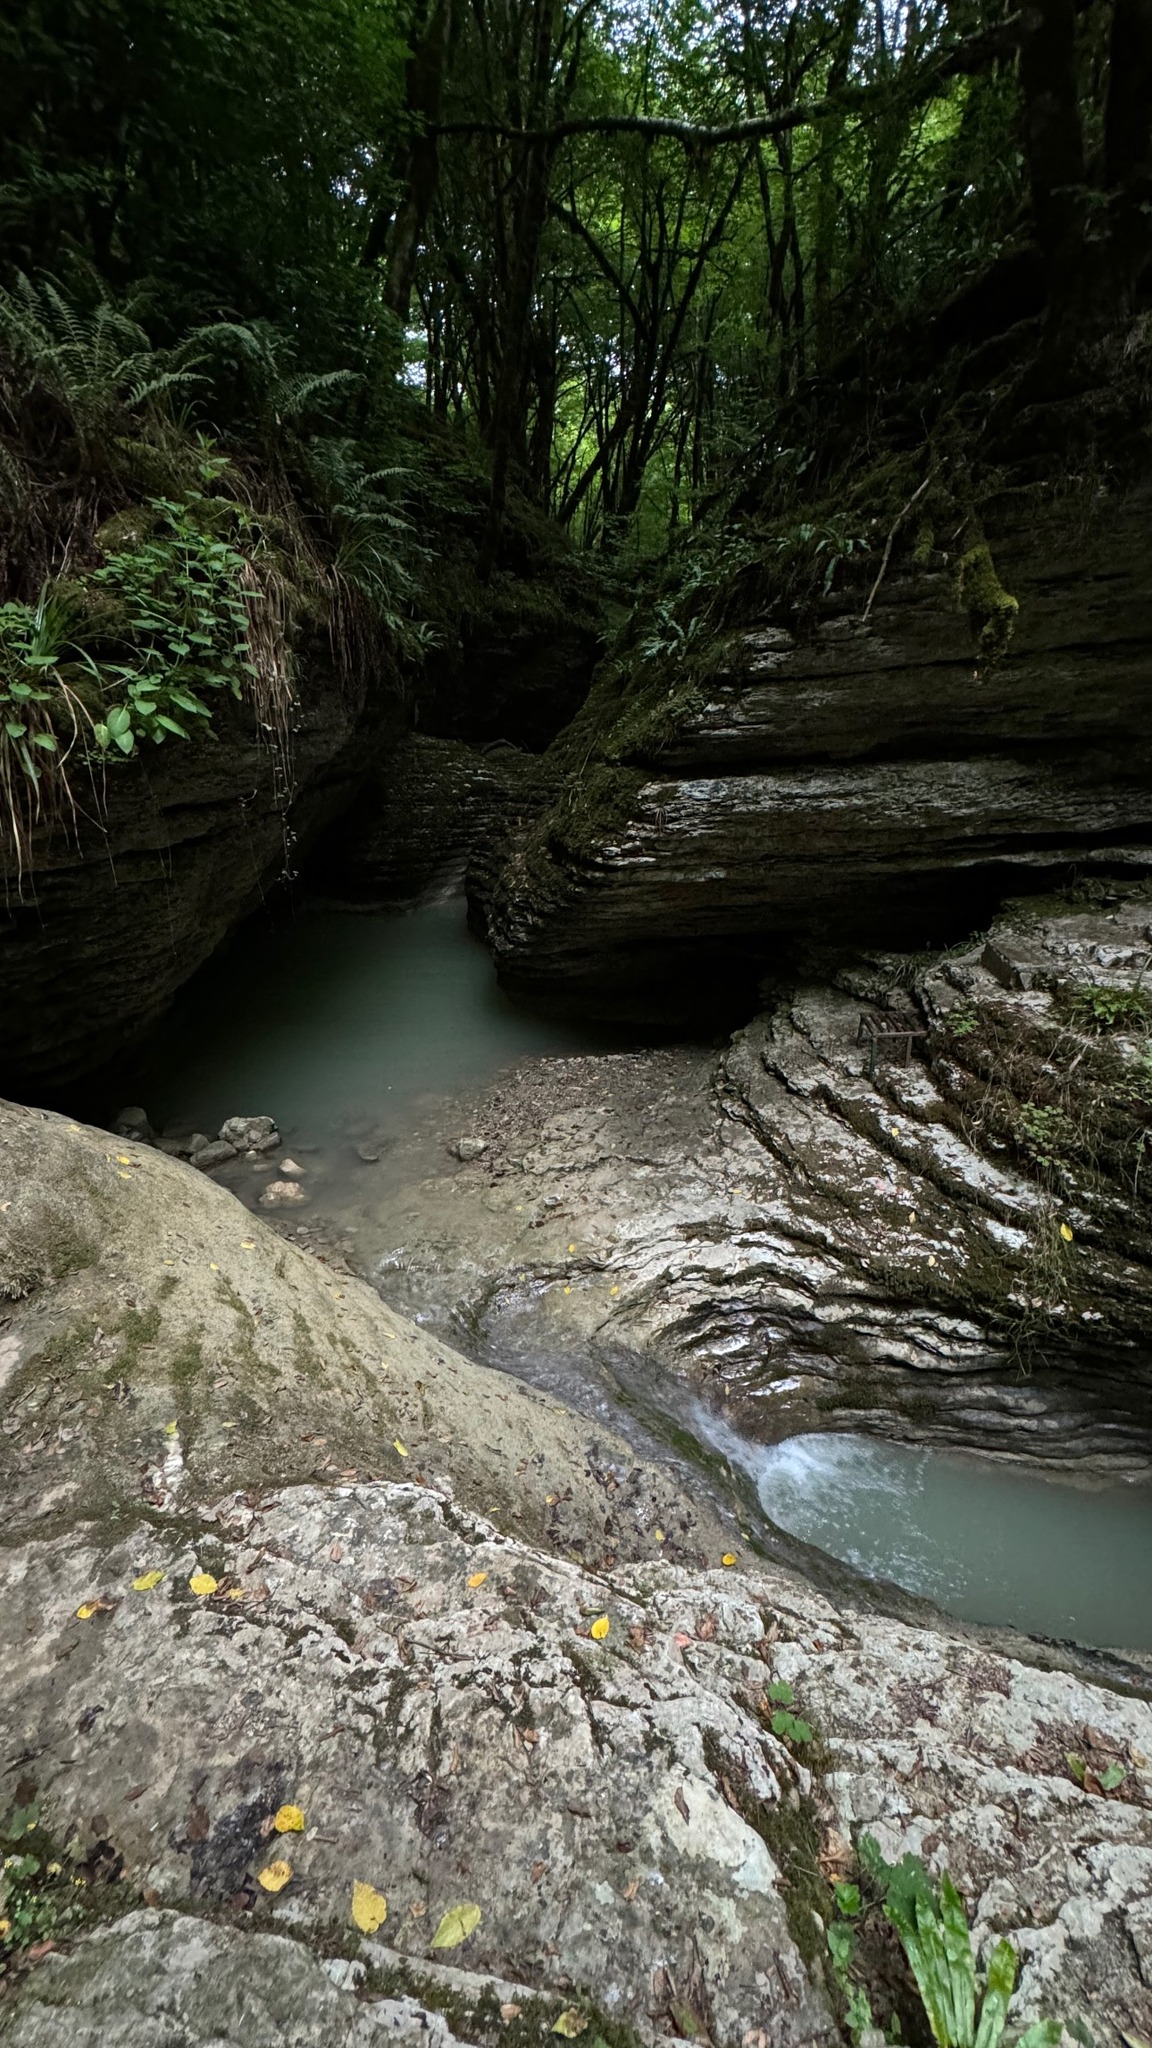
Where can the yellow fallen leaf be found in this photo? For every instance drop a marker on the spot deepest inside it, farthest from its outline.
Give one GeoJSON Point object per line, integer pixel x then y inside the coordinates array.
{"type": "Point", "coordinates": [729, 1557]}
{"type": "Point", "coordinates": [659, 1535]}
{"type": "Point", "coordinates": [398, 1446]}
{"type": "Point", "coordinates": [235, 1593]}
{"type": "Point", "coordinates": [6, 1928]}
{"type": "Point", "coordinates": [571, 1247]}
{"type": "Point", "coordinates": [600, 1628]}
{"type": "Point", "coordinates": [170, 1428]}
{"type": "Point", "coordinates": [567, 1290]}
{"type": "Point", "coordinates": [275, 1876]}
{"type": "Point", "coordinates": [146, 1581]}
{"type": "Point", "coordinates": [289, 1821]}
{"type": "Point", "coordinates": [369, 1907]}
{"type": "Point", "coordinates": [457, 1924]}
{"type": "Point", "coordinates": [88, 1608]}
{"type": "Point", "coordinates": [571, 2022]}
{"type": "Point", "coordinates": [202, 1583]}
{"type": "Point", "coordinates": [477, 1579]}
{"type": "Point", "coordinates": [247, 1244]}
{"type": "Point", "coordinates": [613, 1290]}
{"type": "Point", "coordinates": [123, 1175]}
{"type": "Point", "coordinates": [123, 1159]}
{"type": "Point", "coordinates": [213, 1267]}
{"type": "Point", "coordinates": [1066, 1232]}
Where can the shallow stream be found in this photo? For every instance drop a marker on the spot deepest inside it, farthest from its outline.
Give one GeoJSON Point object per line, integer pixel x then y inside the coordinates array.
{"type": "Point", "coordinates": [349, 1027]}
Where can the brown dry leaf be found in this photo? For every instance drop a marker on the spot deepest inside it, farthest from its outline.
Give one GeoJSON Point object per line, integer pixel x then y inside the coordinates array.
{"type": "Point", "coordinates": [275, 1876]}
{"type": "Point", "coordinates": [681, 1804]}
{"type": "Point", "coordinates": [638, 1636]}
{"type": "Point", "coordinates": [538, 1869]}
{"type": "Point", "coordinates": [369, 1907]}
{"type": "Point", "coordinates": [510, 2011]}
{"type": "Point", "coordinates": [706, 1628]}
{"type": "Point", "coordinates": [418, 1910]}
{"type": "Point", "coordinates": [336, 1552]}
{"type": "Point", "coordinates": [630, 1890]}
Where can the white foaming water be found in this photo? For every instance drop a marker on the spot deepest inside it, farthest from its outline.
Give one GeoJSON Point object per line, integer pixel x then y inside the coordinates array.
{"type": "Point", "coordinates": [988, 1539]}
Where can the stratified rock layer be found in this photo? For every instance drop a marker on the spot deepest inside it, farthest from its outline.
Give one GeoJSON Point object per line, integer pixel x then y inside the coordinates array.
{"type": "Point", "coordinates": [874, 780]}
{"type": "Point", "coordinates": [119, 906]}
{"type": "Point", "coordinates": [955, 1246]}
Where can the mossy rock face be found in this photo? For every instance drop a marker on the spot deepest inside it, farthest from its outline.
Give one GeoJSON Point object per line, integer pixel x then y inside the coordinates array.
{"type": "Point", "coordinates": [161, 1346]}
{"type": "Point", "coordinates": [992, 611]}
{"type": "Point", "coordinates": [869, 769]}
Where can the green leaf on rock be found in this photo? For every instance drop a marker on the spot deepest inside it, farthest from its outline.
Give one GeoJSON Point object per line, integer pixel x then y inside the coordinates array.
{"type": "Point", "coordinates": [457, 1924]}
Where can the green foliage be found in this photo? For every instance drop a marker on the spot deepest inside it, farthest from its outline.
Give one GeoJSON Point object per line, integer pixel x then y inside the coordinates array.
{"type": "Point", "coordinates": [1046, 1132]}
{"type": "Point", "coordinates": [1103, 1009]}
{"type": "Point", "coordinates": [933, 1928]}
{"type": "Point", "coordinates": [32, 641]}
{"type": "Point", "coordinates": [783, 1723]}
{"type": "Point", "coordinates": [38, 1889]}
{"type": "Point", "coordinates": [183, 593]}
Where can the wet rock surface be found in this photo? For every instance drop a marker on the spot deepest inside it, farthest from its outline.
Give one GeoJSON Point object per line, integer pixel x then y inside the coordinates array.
{"type": "Point", "coordinates": [871, 778]}
{"type": "Point", "coordinates": [955, 1248]}
{"type": "Point", "coordinates": [416, 823]}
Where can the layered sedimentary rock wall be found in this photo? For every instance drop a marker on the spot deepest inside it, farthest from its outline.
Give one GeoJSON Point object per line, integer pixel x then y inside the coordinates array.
{"type": "Point", "coordinates": [874, 777]}
{"type": "Point", "coordinates": [118, 906]}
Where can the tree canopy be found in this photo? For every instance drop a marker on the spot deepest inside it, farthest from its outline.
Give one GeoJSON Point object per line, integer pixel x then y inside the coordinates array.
{"type": "Point", "coordinates": [612, 241]}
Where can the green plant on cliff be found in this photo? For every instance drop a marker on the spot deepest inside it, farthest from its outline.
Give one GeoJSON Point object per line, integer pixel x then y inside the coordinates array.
{"type": "Point", "coordinates": [932, 1925]}
{"type": "Point", "coordinates": [1103, 1009]}
{"type": "Point", "coordinates": [1046, 1132]}
{"type": "Point", "coordinates": [183, 591]}
{"type": "Point", "coordinates": [33, 687]}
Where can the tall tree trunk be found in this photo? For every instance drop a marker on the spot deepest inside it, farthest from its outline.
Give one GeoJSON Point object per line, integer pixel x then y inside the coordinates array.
{"type": "Point", "coordinates": [1054, 149]}
{"type": "Point", "coordinates": [424, 81]}
{"type": "Point", "coordinates": [1128, 142]}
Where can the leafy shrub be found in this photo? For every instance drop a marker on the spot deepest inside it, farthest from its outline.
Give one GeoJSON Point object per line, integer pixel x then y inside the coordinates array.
{"type": "Point", "coordinates": [182, 589]}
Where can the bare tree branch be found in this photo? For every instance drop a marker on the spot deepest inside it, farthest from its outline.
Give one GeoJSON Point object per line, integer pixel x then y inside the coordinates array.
{"type": "Point", "coordinates": [975, 53]}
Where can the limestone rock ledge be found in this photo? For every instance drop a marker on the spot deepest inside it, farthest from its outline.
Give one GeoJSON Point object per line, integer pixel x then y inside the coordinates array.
{"type": "Point", "coordinates": [871, 779]}
{"type": "Point", "coordinates": [410, 1660]}
{"type": "Point", "coordinates": [957, 1249]}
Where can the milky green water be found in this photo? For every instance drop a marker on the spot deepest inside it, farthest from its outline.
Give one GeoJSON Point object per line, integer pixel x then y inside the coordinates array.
{"type": "Point", "coordinates": [347, 1027]}
{"type": "Point", "coordinates": [340, 1025]}
{"type": "Point", "coordinates": [985, 1538]}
